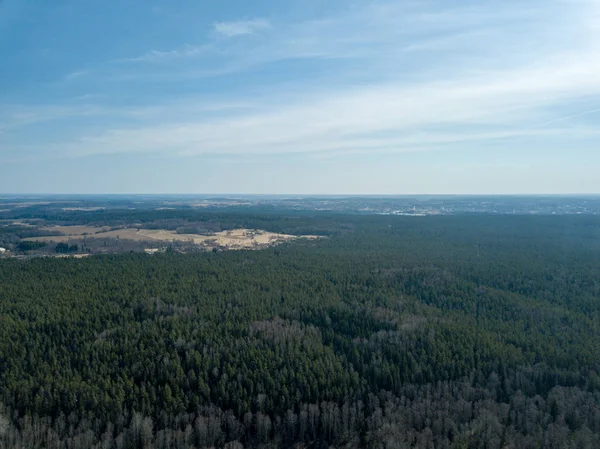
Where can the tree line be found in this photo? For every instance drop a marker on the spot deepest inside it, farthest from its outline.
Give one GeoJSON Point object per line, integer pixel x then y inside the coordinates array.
{"type": "Point", "coordinates": [445, 332]}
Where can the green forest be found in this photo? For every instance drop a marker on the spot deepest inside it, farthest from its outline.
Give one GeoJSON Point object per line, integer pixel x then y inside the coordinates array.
{"type": "Point", "coordinates": [469, 331]}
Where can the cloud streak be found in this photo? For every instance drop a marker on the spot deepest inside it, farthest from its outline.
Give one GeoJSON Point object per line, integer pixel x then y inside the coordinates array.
{"type": "Point", "coordinates": [77, 74]}
{"type": "Point", "coordinates": [572, 116]}
{"type": "Point", "coordinates": [392, 78]}
{"type": "Point", "coordinates": [158, 55]}
{"type": "Point", "coordinates": [383, 118]}
{"type": "Point", "coordinates": [240, 27]}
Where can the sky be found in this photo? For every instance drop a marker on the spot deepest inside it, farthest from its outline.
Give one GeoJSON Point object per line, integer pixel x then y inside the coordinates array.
{"type": "Point", "coordinates": [300, 96]}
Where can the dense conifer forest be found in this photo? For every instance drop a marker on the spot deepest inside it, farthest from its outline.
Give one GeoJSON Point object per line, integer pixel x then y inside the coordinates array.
{"type": "Point", "coordinates": [467, 331]}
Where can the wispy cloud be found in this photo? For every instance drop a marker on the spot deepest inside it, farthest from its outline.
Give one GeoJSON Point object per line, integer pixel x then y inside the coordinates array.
{"type": "Point", "coordinates": [158, 55]}
{"type": "Point", "coordinates": [572, 116]}
{"type": "Point", "coordinates": [389, 118]}
{"type": "Point", "coordinates": [77, 74]}
{"type": "Point", "coordinates": [391, 76]}
{"type": "Point", "coordinates": [14, 117]}
{"type": "Point", "coordinates": [87, 97]}
{"type": "Point", "coordinates": [240, 27]}
{"type": "Point", "coordinates": [385, 36]}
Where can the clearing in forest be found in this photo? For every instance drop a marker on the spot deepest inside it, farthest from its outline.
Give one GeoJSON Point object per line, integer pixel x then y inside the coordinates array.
{"type": "Point", "coordinates": [232, 239]}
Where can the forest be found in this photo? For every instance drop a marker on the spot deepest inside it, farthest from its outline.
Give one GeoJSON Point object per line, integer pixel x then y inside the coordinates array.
{"type": "Point", "coordinates": [466, 331]}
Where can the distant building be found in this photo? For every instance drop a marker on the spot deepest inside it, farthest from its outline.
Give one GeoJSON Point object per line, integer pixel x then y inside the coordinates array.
{"type": "Point", "coordinates": [2, 250]}
{"type": "Point", "coordinates": [154, 250]}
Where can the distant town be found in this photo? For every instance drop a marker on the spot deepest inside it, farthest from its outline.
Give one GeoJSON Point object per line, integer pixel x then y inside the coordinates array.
{"type": "Point", "coordinates": [415, 205]}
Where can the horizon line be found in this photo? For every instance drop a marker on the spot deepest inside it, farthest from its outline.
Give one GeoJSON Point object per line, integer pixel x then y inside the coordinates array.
{"type": "Point", "coordinates": [300, 194]}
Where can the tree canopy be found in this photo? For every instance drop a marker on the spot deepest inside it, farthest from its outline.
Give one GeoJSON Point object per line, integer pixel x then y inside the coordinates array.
{"type": "Point", "coordinates": [446, 332]}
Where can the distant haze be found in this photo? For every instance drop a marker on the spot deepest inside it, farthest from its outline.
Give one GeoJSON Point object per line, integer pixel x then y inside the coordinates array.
{"type": "Point", "coordinates": [337, 97]}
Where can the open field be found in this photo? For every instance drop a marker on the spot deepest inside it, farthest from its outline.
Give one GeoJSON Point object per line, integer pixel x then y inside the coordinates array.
{"type": "Point", "coordinates": [74, 256]}
{"type": "Point", "coordinates": [234, 239]}
{"type": "Point", "coordinates": [16, 223]}
{"type": "Point", "coordinates": [77, 230]}
{"type": "Point", "coordinates": [83, 209]}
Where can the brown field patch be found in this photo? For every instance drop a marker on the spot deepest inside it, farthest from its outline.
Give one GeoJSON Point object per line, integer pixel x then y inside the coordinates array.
{"type": "Point", "coordinates": [52, 238]}
{"type": "Point", "coordinates": [234, 239]}
{"type": "Point", "coordinates": [75, 230]}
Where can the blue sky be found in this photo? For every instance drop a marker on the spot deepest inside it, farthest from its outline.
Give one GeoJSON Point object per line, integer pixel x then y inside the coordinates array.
{"type": "Point", "coordinates": [344, 97]}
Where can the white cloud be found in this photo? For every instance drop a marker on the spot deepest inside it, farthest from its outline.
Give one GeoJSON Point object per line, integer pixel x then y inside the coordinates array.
{"type": "Point", "coordinates": [77, 74]}
{"type": "Point", "coordinates": [409, 117]}
{"type": "Point", "coordinates": [223, 29]}
{"type": "Point", "coordinates": [87, 97]}
{"type": "Point", "coordinates": [572, 116]}
{"type": "Point", "coordinates": [385, 36]}
{"type": "Point", "coordinates": [408, 78]}
{"type": "Point", "coordinates": [14, 117]}
{"type": "Point", "coordinates": [240, 27]}
{"type": "Point", "coordinates": [157, 55]}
